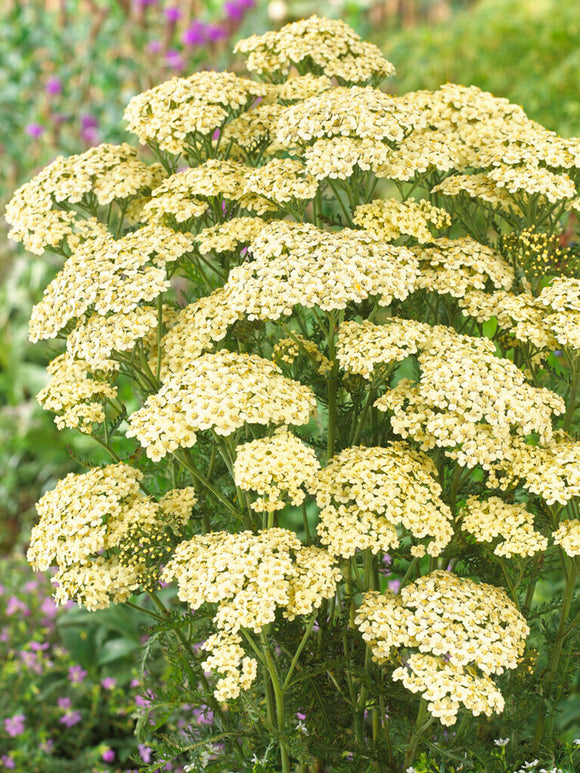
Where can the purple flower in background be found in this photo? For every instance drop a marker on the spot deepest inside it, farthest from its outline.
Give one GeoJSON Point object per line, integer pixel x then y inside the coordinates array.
{"type": "Point", "coordinates": [134, 683]}
{"type": "Point", "coordinates": [108, 682]}
{"type": "Point", "coordinates": [71, 718]}
{"type": "Point", "coordinates": [174, 59]}
{"type": "Point", "coordinates": [14, 725]}
{"type": "Point", "coordinates": [145, 752]}
{"type": "Point", "coordinates": [48, 607]}
{"type": "Point", "coordinates": [7, 761]}
{"type": "Point", "coordinates": [47, 746]}
{"type": "Point", "coordinates": [195, 35]}
{"type": "Point", "coordinates": [14, 604]}
{"type": "Point", "coordinates": [141, 700]}
{"type": "Point", "coordinates": [76, 674]}
{"type": "Point", "coordinates": [173, 13]}
{"type": "Point", "coordinates": [38, 646]}
{"type": "Point", "coordinates": [30, 586]}
{"type": "Point", "coordinates": [64, 703]}
{"type": "Point", "coordinates": [34, 130]}
{"type": "Point", "coordinates": [5, 634]}
{"type": "Point", "coordinates": [203, 715]}
{"type": "Point", "coordinates": [53, 86]}
{"type": "Point", "coordinates": [233, 10]}
{"type": "Point", "coordinates": [108, 755]}
{"type": "Point", "coordinates": [154, 46]}
{"type": "Point", "coordinates": [89, 125]}
{"type": "Point", "coordinates": [144, 3]}
{"type": "Point", "coordinates": [300, 716]}
{"type": "Point", "coordinates": [214, 33]}
{"type": "Point", "coordinates": [394, 585]}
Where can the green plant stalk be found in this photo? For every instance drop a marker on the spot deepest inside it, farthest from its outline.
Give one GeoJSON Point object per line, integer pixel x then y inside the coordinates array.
{"type": "Point", "coordinates": [332, 387]}
{"type": "Point", "coordinates": [421, 725]}
{"type": "Point", "coordinates": [301, 646]}
{"type": "Point", "coordinates": [557, 651]}
{"type": "Point", "coordinates": [279, 702]}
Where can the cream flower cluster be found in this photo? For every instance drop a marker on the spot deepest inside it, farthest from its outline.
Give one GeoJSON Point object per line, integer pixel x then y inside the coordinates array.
{"type": "Point", "coordinates": [454, 266]}
{"type": "Point", "coordinates": [221, 391]}
{"type": "Point", "coordinates": [361, 346]}
{"type": "Point", "coordinates": [492, 518]}
{"type": "Point", "coordinates": [249, 576]}
{"type": "Point", "coordinates": [361, 113]}
{"type": "Point", "coordinates": [445, 687]}
{"type": "Point", "coordinates": [393, 218]}
{"type": "Point", "coordinates": [468, 400]}
{"type": "Point", "coordinates": [107, 172]}
{"type": "Point", "coordinates": [186, 194]}
{"type": "Point", "coordinates": [85, 515]}
{"type": "Point", "coordinates": [228, 236]}
{"type": "Point", "coordinates": [276, 468]}
{"type": "Point", "coordinates": [477, 186]}
{"type": "Point", "coordinates": [171, 113]}
{"type": "Point", "coordinates": [75, 394]}
{"type": "Point", "coordinates": [282, 180]}
{"type": "Point", "coordinates": [288, 349]}
{"type": "Point", "coordinates": [195, 329]}
{"type": "Point", "coordinates": [254, 130]}
{"type": "Point", "coordinates": [236, 670]}
{"type": "Point", "coordinates": [300, 264]}
{"type": "Point", "coordinates": [520, 314]}
{"type": "Point", "coordinates": [336, 157]}
{"type": "Point", "coordinates": [470, 627]}
{"type": "Point", "coordinates": [551, 470]}
{"type": "Point", "coordinates": [329, 46]}
{"type": "Point", "coordinates": [366, 493]}
{"type": "Point", "coordinates": [567, 535]}
{"type": "Point", "coordinates": [110, 276]}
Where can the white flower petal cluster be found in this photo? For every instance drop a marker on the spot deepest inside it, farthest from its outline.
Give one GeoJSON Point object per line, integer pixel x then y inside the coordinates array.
{"type": "Point", "coordinates": [221, 391]}
{"type": "Point", "coordinates": [491, 518]}
{"type": "Point", "coordinates": [300, 264]}
{"type": "Point", "coordinates": [277, 468]}
{"type": "Point", "coordinates": [366, 493]}
{"type": "Point", "coordinates": [567, 535]}
{"type": "Point", "coordinates": [457, 631]}
{"type": "Point", "coordinates": [330, 46]}
{"type": "Point", "coordinates": [393, 218]}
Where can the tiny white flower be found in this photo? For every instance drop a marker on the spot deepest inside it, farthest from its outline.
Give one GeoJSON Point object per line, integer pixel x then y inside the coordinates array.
{"type": "Point", "coordinates": [502, 741]}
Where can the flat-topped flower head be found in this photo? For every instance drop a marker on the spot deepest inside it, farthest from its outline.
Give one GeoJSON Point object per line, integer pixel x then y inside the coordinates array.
{"type": "Point", "coordinates": [393, 218]}
{"type": "Point", "coordinates": [491, 518]}
{"type": "Point", "coordinates": [300, 264]}
{"type": "Point", "coordinates": [108, 275]}
{"type": "Point", "coordinates": [360, 113]}
{"type": "Point", "coordinates": [88, 513]}
{"type": "Point", "coordinates": [172, 114]}
{"type": "Point", "coordinates": [477, 186]}
{"type": "Point", "coordinates": [221, 391]}
{"type": "Point", "coordinates": [366, 493]}
{"type": "Point", "coordinates": [39, 211]}
{"type": "Point", "coordinates": [567, 535]}
{"type": "Point", "coordinates": [454, 266]}
{"type": "Point", "coordinates": [362, 346]}
{"type": "Point", "coordinates": [229, 236]}
{"type": "Point", "coordinates": [282, 180]}
{"type": "Point", "coordinates": [277, 468]}
{"type": "Point", "coordinates": [75, 394]}
{"type": "Point", "coordinates": [469, 401]}
{"type": "Point", "coordinates": [447, 624]}
{"type": "Point", "coordinates": [249, 576]}
{"type": "Point", "coordinates": [324, 46]}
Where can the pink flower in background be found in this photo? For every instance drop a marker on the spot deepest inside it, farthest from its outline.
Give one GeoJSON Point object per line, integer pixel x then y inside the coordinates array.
{"type": "Point", "coordinates": [48, 607]}
{"type": "Point", "coordinates": [47, 746]}
{"type": "Point", "coordinates": [34, 130]}
{"type": "Point", "coordinates": [154, 46]}
{"type": "Point", "coordinates": [14, 726]}
{"type": "Point", "coordinates": [7, 761]}
{"type": "Point", "coordinates": [71, 718]}
{"type": "Point", "coordinates": [174, 59]}
{"type": "Point", "coordinates": [53, 86]}
{"type": "Point", "coordinates": [15, 605]}
{"type": "Point", "coordinates": [89, 126]}
{"type": "Point", "coordinates": [172, 14]}
{"type": "Point", "coordinates": [108, 682]}
{"type": "Point", "coordinates": [76, 674]}
{"type": "Point", "coordinates": [394, 585]}
{"type": "Point", "coordinates": [195, 35]}
{"type": "Point", "coordinates": [64, 703]}
{"type": "Point", "coordinates": [146, 752]}
{"type": "Point", "coordinates": [215, 32]}
{"type": "Point", "coordinates": [108, 755]}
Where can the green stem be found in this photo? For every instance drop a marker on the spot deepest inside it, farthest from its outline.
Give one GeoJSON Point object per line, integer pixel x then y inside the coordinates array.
{"type": "Point", "coordinates": [557, 651]}
{"type": "Point", "coordinates": [279, 701]}
{"type": "Point", "coordinates": [421, 726]}
{"type": "Point", "coordinates": [301, 646]}
{"type": "Point", "coordinates": [332, 387]}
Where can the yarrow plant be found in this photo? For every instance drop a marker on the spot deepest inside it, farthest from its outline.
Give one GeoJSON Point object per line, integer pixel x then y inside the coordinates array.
{"type": "Point", "coordinates": [330, 346]}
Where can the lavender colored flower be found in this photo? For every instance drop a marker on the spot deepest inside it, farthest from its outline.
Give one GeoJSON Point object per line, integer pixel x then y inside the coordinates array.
{"type": "Point", "coordinates": [195, 34]}
{"type": "Point", "coordinates": [47, 746]}
{"type": "Point", "coordinates": [34, 130]}
{"type": "Point", "coordinates": [71, 718]}
{"type": "Point", "coordinates": [234, 10]}
{"type": "Point", "coordinates": [7, 761]}
{"type": "Point", "coordinates": [14, 604]}
{"type": "Point", "coordinates": [14, 726]}
{"type": "Point", "coordinates": [89, 125]}
{"type": "Point", "coordinates": [154, 46]}
{"type": "Point", "coordinates": [76, 674]}
{"type": "Point", "coordinates": [300, 716]}
{"type": "Point", "coordinates": [64, 703]}
{"type": "Point", "coordinates": [203, 715]}
{"type": "Point", "coordinates": [38, 646]}
{"type": "Point", "coordinates": [108, 755]}
{"type": "Point", "coordinates": [5, 634]}
{"type": "Point", "coordinates": [143, 701]}
{"type": "Point", "coordinates": [108, 682]}
{"type": "Point", "coordinates": [146, 752]}
{"type": "Point", "coordinates": [173, 13]}
{"type": "Point", "coordinates": [394, 585]}
{"type": "Point", "coordinates": [53, 86]}
{"type": "Point", "coordinates": [215, 33]}
{"type": "Point", "coordinates": [174, 59]}
{"type": "Point", "coordinates": [30, 586]}
{"type": "Point", "coordinates": [134, 683]}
